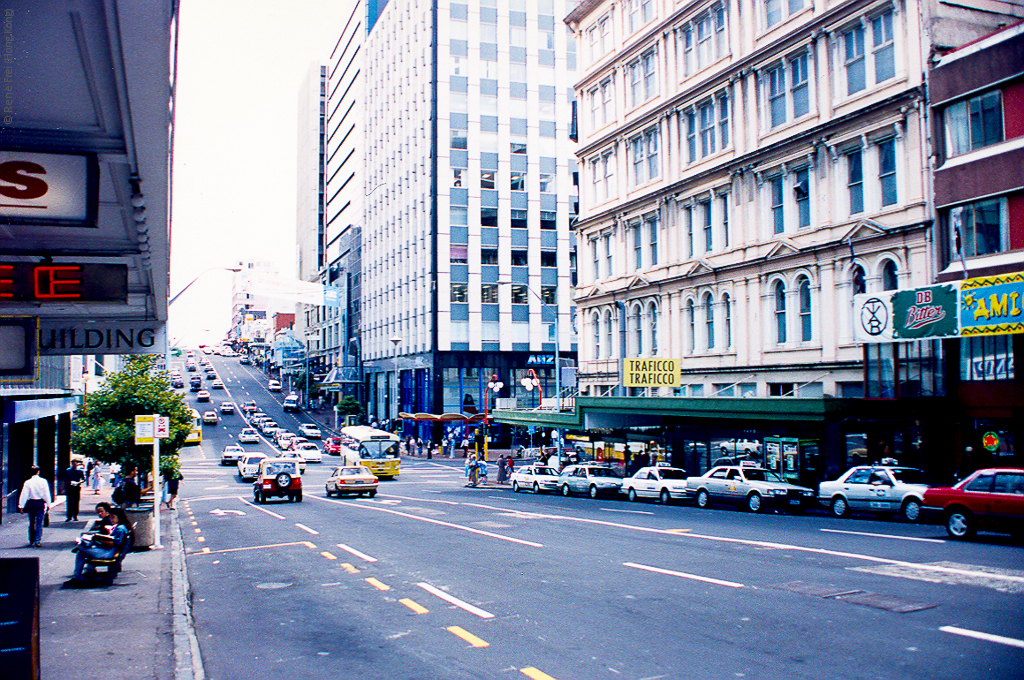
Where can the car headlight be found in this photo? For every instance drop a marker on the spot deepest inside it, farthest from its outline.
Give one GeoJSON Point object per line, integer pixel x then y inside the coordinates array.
{"type": "Point", "coordinates": [808, 494]}
{"type": "Point", "coordinates": [777, 492]}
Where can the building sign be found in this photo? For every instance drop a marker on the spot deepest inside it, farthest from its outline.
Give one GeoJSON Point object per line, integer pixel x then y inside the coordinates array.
{"type": "Point", "coordinates": [540, 360]}
{"type": "Point", "coordinates": [650, 372]}
{"type": "Point", "coordinates": [63, 282]}
{"type": "Point", "coordinates": [60, 337]}
{"type": "Point", "coordinates": [48, 188]}
{"type": "Point", "coordinates": [992, 305]}
{"type": "Point", "coordinates": [909, 314]}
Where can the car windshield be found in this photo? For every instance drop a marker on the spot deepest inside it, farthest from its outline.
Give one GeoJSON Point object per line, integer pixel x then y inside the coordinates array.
{"type": "Point", "coordinates": [375, 450]}
{"type": "Point", "coordinates": [351, 472]}
{"type": "Point", "coordinates": [909, 476]}
{"type": "Point", "coordinates": [603, 472]}
{"type": "Point", "coordinates": [756, 475]}
{"type": "Point", "coordinates": [672, 473]}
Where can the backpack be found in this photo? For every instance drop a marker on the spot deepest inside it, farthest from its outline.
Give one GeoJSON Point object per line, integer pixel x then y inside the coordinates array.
{"type": "Point", "coordinates": [118, 494]}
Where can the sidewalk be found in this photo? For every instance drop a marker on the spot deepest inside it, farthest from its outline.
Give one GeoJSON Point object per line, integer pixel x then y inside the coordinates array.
{"type": "Point", "coordinates": [145, 607]}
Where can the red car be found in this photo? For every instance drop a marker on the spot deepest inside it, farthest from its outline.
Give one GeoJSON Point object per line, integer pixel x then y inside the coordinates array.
{"type": "Point", "coordinates": [332, 446]}
{"type": "Point", "coordinates": [990, 499]}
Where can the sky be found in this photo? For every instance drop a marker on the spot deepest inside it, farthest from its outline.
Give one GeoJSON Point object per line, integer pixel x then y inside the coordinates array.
{"type": "Point", "coordinates": [240, 66]}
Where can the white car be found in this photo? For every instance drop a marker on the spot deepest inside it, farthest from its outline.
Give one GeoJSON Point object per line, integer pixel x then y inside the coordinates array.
{"type": "Point", "coordinates": [227, 408]}
{"type": "Point", "coordinates": [537, 478]}
{"type": "Point", "coordinates": [309, 430]}
{"type": "Point", "coordinates": [310, 452]}
{"type": "Point", "coordinates": [232, 453]}
{"type": "Point", "coordinates": [249, 466]}
{"type": "Point", "coordinates": [283, 439]}
{"type": "Point", "coordinates": [248, 436]}
{"type": "Point", "coordinates": [876, 488]}
{"type": "Point", "coordinates": [664, 483]}
{"type": "Point", "coordinates": [274, 386]}
{"type": "Point", "coordinates": [210, 418]}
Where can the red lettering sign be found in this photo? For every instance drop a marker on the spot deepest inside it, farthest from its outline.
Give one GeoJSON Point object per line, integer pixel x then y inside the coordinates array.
{"type": "Point", "coordinates": [6, 285]}
{"type": "Point", "coordinates": [48, 279]}
{"type": "Point", "coordinates": [28, 187]}
{"type": "Point", "coordinates": [924, 297]}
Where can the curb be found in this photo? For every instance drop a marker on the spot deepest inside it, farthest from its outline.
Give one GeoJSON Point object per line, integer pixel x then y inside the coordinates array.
{"type": "Point", "coordinates": [187, 657]}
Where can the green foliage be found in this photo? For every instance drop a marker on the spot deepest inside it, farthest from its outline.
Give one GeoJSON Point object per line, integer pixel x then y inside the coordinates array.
{"type": "Point", "coordinates": [105, 424]}
{"type": "Point", "coordinates": [350, 406]}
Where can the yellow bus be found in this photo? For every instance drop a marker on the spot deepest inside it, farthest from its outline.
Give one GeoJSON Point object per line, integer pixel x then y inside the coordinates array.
{"type": "Point", "coordinates": [195, 435]}
{"type": "Point", "coordinates": [376, 449]}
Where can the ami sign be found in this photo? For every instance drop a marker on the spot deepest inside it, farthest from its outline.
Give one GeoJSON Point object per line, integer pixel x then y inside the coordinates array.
{"type": "Point", "coordinates": [48, 188]}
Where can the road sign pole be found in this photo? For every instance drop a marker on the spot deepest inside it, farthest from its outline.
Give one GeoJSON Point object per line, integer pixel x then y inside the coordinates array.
{"type": "Point", "coordinates": [156, 494]}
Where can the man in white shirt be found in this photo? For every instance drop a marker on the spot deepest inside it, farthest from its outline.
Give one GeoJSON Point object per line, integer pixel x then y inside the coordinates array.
{"type": "Point", "coordinates": [35, 499]}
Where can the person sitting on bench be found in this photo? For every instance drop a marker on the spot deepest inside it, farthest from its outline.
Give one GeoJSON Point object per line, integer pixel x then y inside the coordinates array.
{"type": "Point", "coordinates": [101, 546]}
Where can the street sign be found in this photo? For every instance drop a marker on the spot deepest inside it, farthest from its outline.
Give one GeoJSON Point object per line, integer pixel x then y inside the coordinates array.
{"type": "Point", "coordinates": [144, 429]}
{"type": "Point", "coordinates": [162, 429]}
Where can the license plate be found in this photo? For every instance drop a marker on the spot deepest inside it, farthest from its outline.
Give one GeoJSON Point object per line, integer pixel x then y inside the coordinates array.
{"type": "Point", "coordinates": [794, 501]}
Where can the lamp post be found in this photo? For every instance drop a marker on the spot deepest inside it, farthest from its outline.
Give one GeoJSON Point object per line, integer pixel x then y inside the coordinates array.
{"type": "Point", "coordinates": [531, 382]}
{"type": "Point", "coordinates": [494, 385]}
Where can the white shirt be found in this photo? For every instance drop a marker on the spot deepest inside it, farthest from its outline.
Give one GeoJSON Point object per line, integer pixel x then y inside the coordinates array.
{"type": "Point", "coordinates": [35, 488]}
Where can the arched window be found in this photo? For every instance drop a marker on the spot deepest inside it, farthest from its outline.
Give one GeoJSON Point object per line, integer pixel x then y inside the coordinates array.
{"type": "Point", "coordinates": [889, 279]}
{"type": "Point", "coordinates": [653, 323]}
{"type": "Point", "coordinates": [691, 320]}
{"type": "Point", "coordinates": [595, 323]}
{"type": "Point", "coordinates": [727, 318]}
{"type": "Point", "coordinates": [609, 336]}
{"type": "Point", "coordinates": [780, 312]}
{"type": "Point", "coordinates": [638, 331]}
{"type": "Point", "coordinates": [860, 282]}
{"type": "Point", "coordinates": [709, 319]}
{"type": "Point", "coordinates": [804, 286]}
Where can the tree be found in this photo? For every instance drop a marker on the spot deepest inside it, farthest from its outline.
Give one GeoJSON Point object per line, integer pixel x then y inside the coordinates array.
{"type": "Point", "coordinates": [105, 425]}
{"type": "Point", "coordinates": [350, 406]}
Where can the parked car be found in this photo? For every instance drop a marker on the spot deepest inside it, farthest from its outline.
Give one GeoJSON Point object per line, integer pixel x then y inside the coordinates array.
{"type": "Point", "coordinates": [283, 439]}
{"type": "Point", "coordinates": [991, 499]}
{"type": "Point", "coordinates": [332, 446]}
{"type": "Point", "coordinates": [593, 480]}
{"type": "Point", "coordinates": [274, 386]}
{"type": "Point", "coordinates": [309, 451]}
{"type": "Point", "coordinates": [232, 453]}
{"type": "Point", "coordinates": [210, 418]}
{"type": "Point", "coordinates": [291, 403]}
{"type": "Point", "coordinates": [227, 408]}
{"type": "Point", "coordinates": [875, 488]}
{"type": "Point", "coordinates": [248, 435]}
{"type": "Point", "coordinates": [352, 479]}
{"type": "Point", "coordinates": [751, 487]}
{"type": "Point", "coordinates": [537, 478]}
{"type": "Point", "coordinates": [202, 395]}
{"type": "Point", "coordinates": [736, 447]}
{"type": "Point", "coordinates": [277, 478]}
{"type": "Point", "coordinates": [663, 483]}
{"type": "Point", "coordinates": [249, 466]}
{"type": "Point", "coordinates": [309, 430]}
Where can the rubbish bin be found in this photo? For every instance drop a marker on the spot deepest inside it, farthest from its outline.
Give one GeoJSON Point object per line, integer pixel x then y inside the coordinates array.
{"type": "Point", "coordinates": [141, 516]}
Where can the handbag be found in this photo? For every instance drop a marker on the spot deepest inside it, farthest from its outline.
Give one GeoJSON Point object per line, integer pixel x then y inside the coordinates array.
{"type": "Point", "coordinates": [46, 519]}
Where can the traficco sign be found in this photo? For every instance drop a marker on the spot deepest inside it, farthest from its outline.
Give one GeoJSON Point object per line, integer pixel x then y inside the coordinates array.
{"type": "Point", "coordinates": [650, 372]}
{"type": "Point", "coordinates": [48, 189]}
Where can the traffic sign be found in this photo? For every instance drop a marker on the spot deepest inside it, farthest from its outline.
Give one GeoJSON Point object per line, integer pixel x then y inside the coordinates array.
{"type": "Point", "coordinates": [144, 429]}
{"type": "Point", "coordinates": [163, 427]}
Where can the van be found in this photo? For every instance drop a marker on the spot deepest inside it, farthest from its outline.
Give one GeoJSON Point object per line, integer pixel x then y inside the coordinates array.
{"type": "Point", "coordinates": [291, 403]}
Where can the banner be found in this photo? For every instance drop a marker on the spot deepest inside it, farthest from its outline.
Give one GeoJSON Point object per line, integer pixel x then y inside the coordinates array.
{"type": "Point", "coordinates": [293, 290]}
{"type": "Point", "coordinates": [650, 372]}
{"type": "Point", "coordinates": [909, 314]}
{"type": "Point", "coordinates": [991, 305]}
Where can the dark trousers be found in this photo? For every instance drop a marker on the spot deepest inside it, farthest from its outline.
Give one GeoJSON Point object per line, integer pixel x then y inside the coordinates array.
{"type": "Point", "coordinates": [72, 498]}
{"type": "Point", "coordinates": [36, 510]}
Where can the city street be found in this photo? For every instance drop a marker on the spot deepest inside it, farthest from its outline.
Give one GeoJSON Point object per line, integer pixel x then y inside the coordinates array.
{"type": "Point", "coordinates": [434, 580]}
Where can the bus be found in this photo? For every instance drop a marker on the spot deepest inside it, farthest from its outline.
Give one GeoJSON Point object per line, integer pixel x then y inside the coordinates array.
{"type": "Point", "coordinates": [376, 449]}
{"type": "Point", "coordinates": [195, 435]}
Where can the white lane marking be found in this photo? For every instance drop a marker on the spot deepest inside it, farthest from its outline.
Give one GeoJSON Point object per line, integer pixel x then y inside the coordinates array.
{"type": "Point", "coordinates": [952, 573]}
{"type": "Point", "coordinates": [307, 529]}
{"type": "Point", "coordinates": [353, 551]}
{"type": "Point", "coordinates": [632, 512]}
{"type": "Point", "coordinates": [272, 514]}
{"type": "Point", "coordinates": [437, 592]}
{"type": "Point", "coordinates": [987, 637]}
{"type": "Point", "coordinates": [681, 574]}
{"type": "Point", "coordinates": [216, 488]}
{"type": "Point", "coordinates": [429, 520]}
{"type": "Point", "coordinates": [898, 538]}
{"type": "Point", "coordinates": [221, 513]}
{"type": "Point", "coordinates": [424, 500]}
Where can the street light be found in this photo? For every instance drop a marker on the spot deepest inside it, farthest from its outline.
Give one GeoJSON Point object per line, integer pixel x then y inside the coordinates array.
{"type": "Point", "coordinates": [493, 385]}
{"type": "Point", "coordinates": [533, 381]}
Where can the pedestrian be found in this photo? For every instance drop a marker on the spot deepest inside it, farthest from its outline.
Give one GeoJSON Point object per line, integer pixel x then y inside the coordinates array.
{"type": "Point", "coordinates": [501, 469]}
{"type": "Point", "coordinates": [100, 546]}
{"type": "Point", "coordinates": [173, 478]}
{"type": "Point", "coordinates": [128, 492]}
{"type": "Point", "coordinates": [95, 478]}
{"type": "Point", "coordinates": [511, 466]}
{"type": "Point", "coordinates": [35, 500]}
{"type": "Point", "coordinates": [471, 471]}
{"type": "Point", "coordinates": [73, 478]}
{"type": "Point", "coordinates": [103, 511]}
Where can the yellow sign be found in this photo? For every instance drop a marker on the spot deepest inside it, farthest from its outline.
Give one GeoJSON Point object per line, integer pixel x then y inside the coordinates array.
{"type": "Point", "coordinates": [650, 372]}
{"type": "Point", "coordinates": [144, 429]}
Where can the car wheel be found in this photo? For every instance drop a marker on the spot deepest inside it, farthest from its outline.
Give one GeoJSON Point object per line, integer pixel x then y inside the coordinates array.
{"type": "Point", "coordinates": [592, 492]}
{"type": "Point", "coordinates": [263, 497]}
{"type": "Point", "coordinates": [255, 498]}
{"type": "Point", "coordinates": [515, 486]}
{"type": "Point", "coordinates": [754, 502]}
{"type": "Point", "coordinates": [371, 494]}
{"type": "Point", "coordinates": [327, 490]}
{"type": "Point", "coordinates": [839, 506]}
{"type": "Point", "coordinates": [666, 497]}
{"type": "Point", "coordinates": [298, 497]}
{"type": "Point", "coordinates": [911, 510]}
{"type": "Point", "coordinates": [632, 495]}
{"type": "Point", "coordinates": [565, 490]}
{"type": "Point", "coordinates": [959, 523]}
{"type": "Point", "coordinates": [536, 487]}
{"type": "Point", "coordinates": [703, 499]}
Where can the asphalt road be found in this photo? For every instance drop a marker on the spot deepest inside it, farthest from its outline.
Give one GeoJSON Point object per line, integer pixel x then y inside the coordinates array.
{"type": "Point", "coordinates": [434, 580]}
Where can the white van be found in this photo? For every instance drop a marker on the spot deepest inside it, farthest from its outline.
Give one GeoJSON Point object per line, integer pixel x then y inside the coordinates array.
{"type": "Point", "coordinates": [291, 403]}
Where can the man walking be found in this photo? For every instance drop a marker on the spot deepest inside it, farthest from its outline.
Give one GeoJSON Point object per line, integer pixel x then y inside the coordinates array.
{"type": "Point", "coordinates": [35, 500]}
{"type": "Point", "coordinates": [73, 479]}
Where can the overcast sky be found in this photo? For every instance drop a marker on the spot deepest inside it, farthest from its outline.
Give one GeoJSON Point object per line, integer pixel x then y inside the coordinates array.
{"type": "Point", "coordinates": [240, 66]}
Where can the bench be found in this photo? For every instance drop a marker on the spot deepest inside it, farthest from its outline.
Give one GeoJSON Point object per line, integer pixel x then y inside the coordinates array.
{"type": "Point", "coordinates": [112, 564]}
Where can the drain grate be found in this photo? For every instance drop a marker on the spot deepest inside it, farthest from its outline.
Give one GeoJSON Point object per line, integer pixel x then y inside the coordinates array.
{"type": "Point", "coordinates": [815, 589]}
{"type": "Point", "coordinates": [854, 596]}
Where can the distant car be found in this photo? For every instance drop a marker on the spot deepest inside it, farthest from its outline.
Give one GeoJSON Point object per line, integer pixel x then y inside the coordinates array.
{"type": "Point", "coordinates": [352, 479]}
{"type": "Point", "coordinates": [227, 408]}
{"type": "Point", "coordinates": [266, 425]}
{"type": "Point", "coordinates": [274, 386]}
{"type": "Point", "coordinates": [309, 451]}
{"type": "Point", "coordinates": [277, 478]}
{"type": "Point", "coordinates": [537, 478]}
{"type": "Point", "coordinates": [232, 453]}
{"type": "Point", "coordinates": [190, 367]}
{"type": "Point", "coordinates": [751, 487]}
{"type": "Point", "coordinates": [248, 406]}
{"type": "Point", "coordinates": [210, 418]}
{"type": "Point", "coordinates": [332, 446]}
{"type": "Point", "coordinates": [283, 439]}
{"type": "Point", "coordinates": [736, 447]}
{"type": "Point", "coordinates": [177, 382]}
{"type": "Point", "coordinates": [291, 403]}
{"type": "Point", "coordinates": [293, 455]}
{"type": "Point", "coordinates": [211, 374]}
{"type": "Point", "coordinates": [663, 483]}
{"type": "Point", "coordinates": [593, 480]}
{"type": "Point", "coordinates": [309, 430]}
{"type": "Point", "coordinates": [249, 465]}
{"type": "Point", "coordinates": [202, 395]}
{"type": "Point", "coordinates": [244, 359]}
{"type": "Point", "coordinates": [991, 499]}
{"type": "Point", "coordinates": [248, 436]}
{"type": "Point", "coordinates": [875, 488]}
{"type": "Point", "coordinates": [217, 384]}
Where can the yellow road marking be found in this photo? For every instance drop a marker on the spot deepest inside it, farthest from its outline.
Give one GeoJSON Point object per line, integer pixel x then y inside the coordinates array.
{"type": "Point", "coordinates": [195, 524]}
{"type": "Point", "coordinates": [201, 539]}
{"type": "Point", "coordinates": [256, 547]}
{"type": "Point", "coordinates": [532, 672]}
{"type": "Point", "coordinates": [308, 545]}
{"type": "Point", "coordinates": [677, 531]}
{"type": "Point", "coordinates": [416, 607]}
{"type": "Point", "coordinates": [206, 550]}
{"type": "Point", "coordinates": [467, 636]}
{"type": "Point", "coordinates": [349, 568]}
{"type": "Point", "coordinates": [377, 584]}
{"type": "Point", "coordinates": [328, 555]}
{"type": "Point", "coordinates": [198, 531]}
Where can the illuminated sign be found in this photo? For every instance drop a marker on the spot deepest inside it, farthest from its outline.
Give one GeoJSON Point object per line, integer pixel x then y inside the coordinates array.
{"type": "Point", "coordinates": [63, 282]}
{"type": "Point", "coordinates": [650, 372]}
{"type": "Point", "coordinates": [48, 188]}
{"type": "Point", "coordinates": [61, 337]}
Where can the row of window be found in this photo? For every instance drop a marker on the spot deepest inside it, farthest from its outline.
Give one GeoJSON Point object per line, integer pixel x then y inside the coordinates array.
{"type": "Point", "coordinates": [519, 258]}
{"type": "Point", "coordinates": [489, 293]}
